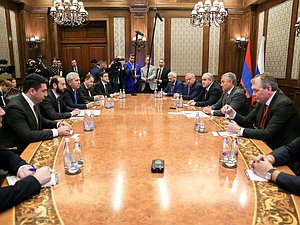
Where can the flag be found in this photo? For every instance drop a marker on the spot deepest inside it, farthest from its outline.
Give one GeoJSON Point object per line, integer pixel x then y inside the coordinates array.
{"type": "Point", "coordinates": [247, 73]}
{"type": "Point", "coordinates": [260, 66]}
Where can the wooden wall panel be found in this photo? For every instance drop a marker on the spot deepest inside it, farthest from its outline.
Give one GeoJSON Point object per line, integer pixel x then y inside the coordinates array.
{"type": "Point", "coordinates": [70, 52]}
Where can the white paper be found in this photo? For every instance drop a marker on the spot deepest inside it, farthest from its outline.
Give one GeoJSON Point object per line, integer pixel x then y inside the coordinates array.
{"type": "Point", "coordinates": [252, 176]}
{"type": "Point", "coordinates": [96, 112]}
{"type": "Point", "coordinates": [174, 113]}
{"type": "Point", "coordinates": [192, 114]}
{"type": "Point", "coordinates": [75, 136]}
{"type": "Point", "coordinates": [215, 133]}
{"type": "Point", "coordinates": [11, 180]}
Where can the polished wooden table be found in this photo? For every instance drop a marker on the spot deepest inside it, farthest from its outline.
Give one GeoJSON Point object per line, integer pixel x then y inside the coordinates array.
{"type": "Point", "coordinates": [116, 185]}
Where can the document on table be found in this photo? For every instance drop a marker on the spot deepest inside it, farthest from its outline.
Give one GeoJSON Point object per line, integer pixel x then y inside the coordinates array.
{"type": "Point", "coordinates": [252, 176]}
{"type": "Point", "coordinates": [96, 112]}
{"type": "Point", "coordinates": [192, 114]}
{"type": "Point", "coordinates": [11, 180]}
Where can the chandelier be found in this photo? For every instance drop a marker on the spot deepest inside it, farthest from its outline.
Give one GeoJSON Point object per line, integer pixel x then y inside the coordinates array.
{"type": "Point", "coordinates": [297, 27]}
{"type": "Point", "coordinates": [69, 13]}
{"type": "Point", "coordinates": [208, 13]}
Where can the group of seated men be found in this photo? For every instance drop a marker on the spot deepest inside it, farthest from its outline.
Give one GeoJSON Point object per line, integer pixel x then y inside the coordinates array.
{"type": "Point", "coordinates": [274, 120]}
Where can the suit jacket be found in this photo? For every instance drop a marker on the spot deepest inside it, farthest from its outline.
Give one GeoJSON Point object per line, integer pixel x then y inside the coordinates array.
{"type": "Point", "coordinates": [195, 90]}
{"type": "Point", "coordinates": [69, 99]}
{"type": "Point", "coordinates": [84, 93]}
{"type": "Point", "coordinates": [130, 82]}
{"type": "Point", "coordinates": [237, 100]}
{"type": "Point", "coordinates": [163, 77]}
{"type": "Point", "coordinates": [283, 156]}
{"type": "Point", "coordinates": [23, 189]}
{"type": "Point", "coordinates": [99, 89]}
{"type": "Point", "coordinates": [178, 87]}
{"type": "Point", "coordinates": [210, 97]}
{"type": "Point", "coordinates": [151, 76]}
{"type": "Point", "coordinates": [80, 72]}
{"type": "Point", "coordinates": [95, 71]}
{"type": "Point", "coordinates": [20, 127]}
{"type": "Point", "coordinates": [49, 107]}
{"type": "Point", "coordinates": [281, 126]}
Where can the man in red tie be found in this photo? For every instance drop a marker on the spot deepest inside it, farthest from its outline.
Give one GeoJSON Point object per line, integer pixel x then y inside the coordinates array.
{"type": "Point", "coordinates": [274, 119]}
{"type": "Point", "coordinates": [162, 75]}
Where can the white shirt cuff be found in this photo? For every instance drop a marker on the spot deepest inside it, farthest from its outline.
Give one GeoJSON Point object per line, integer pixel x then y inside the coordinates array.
{"type": "Point", "coordinates": [233, 116]}
{"type": "Point", "coordinates": [241, 131]}
{"type": "Point", "coordinates": [54, 132]}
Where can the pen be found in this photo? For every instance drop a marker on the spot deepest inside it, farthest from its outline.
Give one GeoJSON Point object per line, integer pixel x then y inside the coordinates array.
{"type": "Point", "coordinates": [32, 169]}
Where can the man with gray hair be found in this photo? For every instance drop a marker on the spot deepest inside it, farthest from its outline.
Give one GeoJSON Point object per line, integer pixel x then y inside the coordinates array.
{"type": "Point", "coordinates": [232, 95]}
{"type": "Point", "coordinates": [274, 119]}
{"type": "Point", "coordinates": [210, 94]}
{"type": "Point", "coordinates": [191, 89]}
{"type": "Point", "coordinates": [174, 85]}
{"type": "Point", "coordinates": [71, 96]}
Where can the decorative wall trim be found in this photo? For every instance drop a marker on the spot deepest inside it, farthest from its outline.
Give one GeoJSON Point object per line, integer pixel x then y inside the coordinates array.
{"type": "Point", "coordinates": [4, 46]}
{"type": "Point", "coordinates": [214, 44]}
{"type": "Point", "coordinates": [15, 42]}
{"type": "Point", "coordinates": [296, 56]}
{"type": "Point", "coordinates": [119, 37]}
{"type": "Point", "coordinates": [261, 19]}
{"type": "Point", "coordinates": [159, 41]}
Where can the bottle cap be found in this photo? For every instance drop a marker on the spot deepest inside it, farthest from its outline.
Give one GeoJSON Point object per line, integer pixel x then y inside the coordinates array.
{"type": "Point", "coordinates": [67, 139]}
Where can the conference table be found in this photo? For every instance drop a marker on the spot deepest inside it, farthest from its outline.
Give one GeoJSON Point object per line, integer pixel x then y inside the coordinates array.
{"type": "Point", "coordinates": [116, 185]}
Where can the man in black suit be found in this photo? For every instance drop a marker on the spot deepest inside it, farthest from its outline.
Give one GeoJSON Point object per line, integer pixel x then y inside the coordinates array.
{"type": "Point", "coordinates": [192, 88]}
{"type": "Point", "coordinates": [23, 123]}
{"type": "Point", "coordinates": [76, 69]}
{"type": "Point", "coordinates": [86, 90]}
{"type": "Point", "coordinates": [162, 75]}
{"type": "Point", "coordinates": [71, 95]}
{"type": "Point", "coordinates": [263, 166]}
{"type": "Point", "coordinates": [95, 70]}
{"type": "Point", "coordinates": [53, 106]}
{"type": "Point", "coordinates": [274, 119]}
{"type": "Point", "coordinates": [103, 87]}
{"type": "Point", "coordinates": [210, 94]}
{"type": "Point", "coordinates": [29, 183]}
{"type": "Point", "coordinates": [174, 85]}
{"type": "Point", "coordinates": [232, 95]}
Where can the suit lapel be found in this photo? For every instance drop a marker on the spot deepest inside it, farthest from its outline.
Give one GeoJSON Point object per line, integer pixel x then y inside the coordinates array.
{"type": "Point", "coordinates": [29, 112]}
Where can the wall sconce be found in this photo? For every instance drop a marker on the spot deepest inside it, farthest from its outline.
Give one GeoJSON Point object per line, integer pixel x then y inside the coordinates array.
{"type": "Point", "coordinates": [297, 27]}
{"type": "Point", "coordinates": [241, 42]}
{"type": "Point", "coordinates": [139, 41]}
{"type": "Point", "coordinates": [34, 41]}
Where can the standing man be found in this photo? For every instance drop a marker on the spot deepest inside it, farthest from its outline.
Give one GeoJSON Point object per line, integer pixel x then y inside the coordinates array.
{"type": "Point", "coordinates": [232, 95]}
{"type": "Point", "coordinates": [174, 85]}
{"type": "Point", "coordinates": [86, 90]}
{"type": "Point", "coordinates": [131, 75]}
{"type": "Point", "coordinates": [103, 87]}
{"type": "Point", "coordinates": [76, 69]}
{"type": "Point", "coordinates": [274, 119]}
{"type": "Point", "coordinates": [53, 70]}
{"type": "Point", "coordinates": [147, 82]}
{"type": "Point", "coordinates": [95, 70]}
{"type": "Point", "coordinates": [192, 88]}
{"type": "Point", "coordinates": [53, 106]}
{"type": "Point", "coordinates": [210, 94]}
{"type": "Point", "coordinates": [23, 123]}
{"type": "Point", "coordinates": [162, 75]}
{"type": "Point", "coordinates": [71, 95]}
{"type": "Point", "coordinates": [61, 70]}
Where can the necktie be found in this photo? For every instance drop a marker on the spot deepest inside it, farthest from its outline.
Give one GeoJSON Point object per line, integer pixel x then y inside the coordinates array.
{"type": "Point", "coordinates": [189, 88]}
{"type": "Point", "coordinates": [262, 122]}
{"type": "Point", "coordinates": [105, 89]}
{"type": "Point", "coordinates": [172, 88]}
{"type": "Point", "coordinates": [75, 97]}
{"type": "Point", "coordinates": [205, 95]}
{"type": "Point", "coordinates": [90, 95]}
{"type": "Point", "coordinates": [75, 69]}
{"type": "Point", "coordinates": [227, 98]}
{"type": "Point", "coordinates": [159, 74]}
{"type": "Point", "coordinates": [58, 104]}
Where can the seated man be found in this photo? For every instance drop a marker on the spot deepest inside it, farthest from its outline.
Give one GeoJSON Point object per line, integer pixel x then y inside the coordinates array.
{"type": "Point", "coordinates": [23, 123]}
{"type": "Point", "coordinates": [232, 95]}
{"type": "Point", "coordinates": [29, 183]}
{"type": "Point", "coordinates": [192, 88]}
{"type": "Point", "coordinates": [210, 94]}
{"type": "Point", "coordinates": [71, 95]}
{"type": "Point", "coordinates": [53, 106]}
{"type": "Point", "coordinates": [147, 80]}
{"type": "Point", "coordinates": [86, 90]}
{"type": "Point", "coordinates": [274, 119]}
{"type": "Point", "coordinates": [262, 165]}
{"type": "Point", "coordinates": [174, 85]}
{"type": "Point", "coordinates": [103, 87]}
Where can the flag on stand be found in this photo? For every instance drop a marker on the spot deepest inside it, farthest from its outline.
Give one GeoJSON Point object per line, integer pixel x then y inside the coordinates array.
{"type": "Point", "coordinates": [247, 72]}
{"type": "Point", "coordinates": [260, 66]}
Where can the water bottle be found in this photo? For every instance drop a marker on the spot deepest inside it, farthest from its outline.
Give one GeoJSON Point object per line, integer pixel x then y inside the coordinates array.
{"type": "Point", "coordinates": [180, 102]}
{"type": "Point", "coordinates": [92, 120]}
{"type": "Point", "coordinates": [120, 94]}
{"type": "Point", "coordinates": [74, 158]}
{"type": "Point", "coordinates": [161, 93]}
{"type": "Point", "coordinates": [225, 150]}
{"type": "Point", "coordinates": [124, 94]}
{"type": "Point", "coordinates": [155, 93]}
{"type": "Point", "coordinates": [86, 121]}
{"type": "Point", "coordinates": [233, 153]}
{"type": "Point", "coordinates": [196, 128]}
{"type": "Point", "coordinates": [67, 161]}
{"type": "Point", "coordinates": [77, 148]}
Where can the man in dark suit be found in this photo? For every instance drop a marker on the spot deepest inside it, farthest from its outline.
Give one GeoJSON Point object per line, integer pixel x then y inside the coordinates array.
{"type": "Point", "coordinates": [263, 166]}
{"type": "Point", "coordinates": [76, 69]}
{"type": "Point", "coordinates": [103, 87]}
{"type": "Point", "coordinates": [29, 183]}
{"type": "Point", "coordinates": [174, 85]}
{"type": "Point", "coordinates": [274, 119]}
{"type": "Point", "coordinates": [210, 94]}
{"type": "Point", "coordinates": [71, 95]}
{"type": "Point", "coordinates": [192, 88]}
{"type": "Point", "coordinates": [232, 95]}
{"type": "Point", "coordinates": [162, 75]}
{"type": "Point", "coordinates": [53, 106]}
{"type": "Point", "coordinates": [86, 89]}
{"type": "Point", "coordinates": [95, 70]}
{"type": "Point", "coordinates": [23, 123]}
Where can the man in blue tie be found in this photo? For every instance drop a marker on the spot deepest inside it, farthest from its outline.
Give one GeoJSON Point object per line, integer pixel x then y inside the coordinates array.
{"type": "Point", "coordinates": [174, 85]}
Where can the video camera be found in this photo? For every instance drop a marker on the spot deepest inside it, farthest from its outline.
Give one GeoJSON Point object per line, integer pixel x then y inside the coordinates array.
{"type": "Point", "coordinates": [6, 69]}
{"type": "Point", "coordinates": [118, 59]}
{"type": "Point", "coordinates": [35, 66]}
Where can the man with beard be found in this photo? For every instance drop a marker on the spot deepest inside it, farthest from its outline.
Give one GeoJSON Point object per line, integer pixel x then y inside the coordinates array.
{"type": "Point", "coordinates": [53, 107]}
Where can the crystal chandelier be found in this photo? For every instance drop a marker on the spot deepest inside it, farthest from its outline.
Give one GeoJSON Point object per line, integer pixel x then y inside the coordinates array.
{"type": "Point", "coordinates": [69, 13]}
{"type": "Point", "coordinates": [208, 13]}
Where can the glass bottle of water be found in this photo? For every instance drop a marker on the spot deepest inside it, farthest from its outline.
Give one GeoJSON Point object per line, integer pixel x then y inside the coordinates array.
{"type": "Point", "coordinates": [233, 153]}
{"type": "Point", "coordinates": [86, 121]}
{"type": "Point", "coordinates": [196, 128]}
{"type": "Point", "coordinates": [74, 158]}
{"type": "Point", "coordinates": [180, 102]}
{"type": "Point", "coordinates": [161, 93]}
{"type": "Point", "coordinates": [225, 150]}
{"type": "Point", "coordinates": [92, 120]}
{"type": "Point", "coordinates": [124, 93]}
{"type": "Point", "coordinates": [155, 93]}
{"type": "Point", "coordinates": [67, 161]}
{"type": "Point", "coordinates": [120, 94]}
{"type": "Point", "coordinates": [77, 148]}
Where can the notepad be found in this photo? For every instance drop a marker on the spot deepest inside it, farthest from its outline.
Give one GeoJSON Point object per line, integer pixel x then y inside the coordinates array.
{"type": "Point", "coordinates": [96, 112]}
{"type": "Point", "coordinates": [11, 180]}
{"type": "Point", "coordinates": [253, 176]}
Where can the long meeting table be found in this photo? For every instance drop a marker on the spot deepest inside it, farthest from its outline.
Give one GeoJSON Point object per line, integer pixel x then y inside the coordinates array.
{"type": "Point", "coordinates": [116, 185]}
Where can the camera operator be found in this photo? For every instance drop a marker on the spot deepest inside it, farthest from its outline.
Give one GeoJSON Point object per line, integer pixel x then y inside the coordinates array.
{"type": "Point", "coordinates": [116, 77]}
{"type": "Point", "coordinates": [37, 67]}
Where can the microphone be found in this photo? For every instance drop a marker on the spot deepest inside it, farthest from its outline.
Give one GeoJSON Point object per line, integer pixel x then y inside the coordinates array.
{"type": "Point", "coordinates": [139, 32]}
{"type": "Point", "coordinates": [157, 13]}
